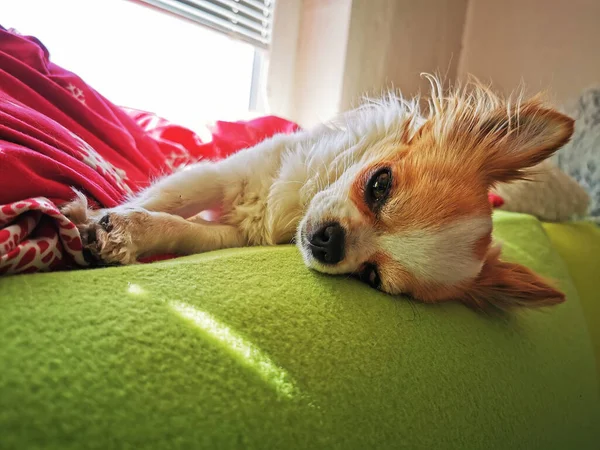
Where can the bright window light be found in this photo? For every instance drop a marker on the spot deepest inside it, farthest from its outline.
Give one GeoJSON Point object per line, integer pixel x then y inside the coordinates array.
{"type": "Point", "coordinates": [141, 57]}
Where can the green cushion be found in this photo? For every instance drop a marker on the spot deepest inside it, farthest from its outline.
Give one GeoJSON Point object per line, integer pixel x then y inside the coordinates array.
{"type": "Point", "coordinates": [579, 246]}
{"type": "Point", "coordinates": [246, 348]}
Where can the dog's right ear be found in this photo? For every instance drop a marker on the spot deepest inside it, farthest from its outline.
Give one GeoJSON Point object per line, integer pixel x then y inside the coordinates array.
{"type": "Point", "coordinates": [513, 140]}
{"type": "Point", "coordinates": [504, 285]}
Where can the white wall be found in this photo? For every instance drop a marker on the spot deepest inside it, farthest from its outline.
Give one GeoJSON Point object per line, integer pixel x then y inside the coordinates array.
{"type": "Point", "coordinates": [324, 30]}
{"type": "Point", "coordinates": [346, 48]}
{"type": "Point", "coordinates": [549, 44]}
{"type": "Point", "coordinates": [391, 42]}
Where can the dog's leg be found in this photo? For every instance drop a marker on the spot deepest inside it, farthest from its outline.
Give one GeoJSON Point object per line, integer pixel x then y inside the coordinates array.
{"type": "Point", "coordinates": [184, 193]}
{"type": "Point", "coordinates": [124, 236]}
{"type": "Point", "coordinates": [143, 225]}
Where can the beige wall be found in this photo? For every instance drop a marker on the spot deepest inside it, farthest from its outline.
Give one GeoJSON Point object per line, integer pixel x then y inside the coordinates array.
{"type": "Point", "coordinates": [281, 71]}
{"type": "Point", "coordinates": [391, 42]}
{"type": "Point", "coordinates": [549, 44]}
{"type": "Point", "coordinates": [320, 59]}
{"type": "Point", "coordinates": [347, 48]}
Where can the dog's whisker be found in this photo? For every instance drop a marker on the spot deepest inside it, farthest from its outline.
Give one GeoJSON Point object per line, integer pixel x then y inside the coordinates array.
{"type": "Point", "coordinates": [413, 307]}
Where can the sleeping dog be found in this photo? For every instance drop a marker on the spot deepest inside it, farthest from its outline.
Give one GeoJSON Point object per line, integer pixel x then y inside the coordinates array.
{"type": "Point", "coordinates": [394, 195]}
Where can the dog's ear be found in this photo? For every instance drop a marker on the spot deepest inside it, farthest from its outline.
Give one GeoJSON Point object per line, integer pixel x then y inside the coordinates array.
{"type": "Point", "coordinates": [513, 140]}
{"type": "Point", "coordinates": [504, 285]}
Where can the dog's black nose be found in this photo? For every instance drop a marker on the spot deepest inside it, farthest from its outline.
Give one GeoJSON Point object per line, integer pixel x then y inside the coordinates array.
{"type": "Point", "coordinates": [327, 243]}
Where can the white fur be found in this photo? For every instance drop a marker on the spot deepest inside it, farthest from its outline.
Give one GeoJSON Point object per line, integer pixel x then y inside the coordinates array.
{"type": "Point", "coordinates": [443, 256]}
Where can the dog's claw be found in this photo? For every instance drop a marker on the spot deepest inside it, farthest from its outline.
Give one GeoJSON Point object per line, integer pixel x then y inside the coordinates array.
{"type": "Point", "coordinates": [105, 223]}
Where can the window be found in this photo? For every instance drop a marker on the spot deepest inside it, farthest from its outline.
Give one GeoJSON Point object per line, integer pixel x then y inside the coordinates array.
{"type": "Point", "coordinates": [143, 57]}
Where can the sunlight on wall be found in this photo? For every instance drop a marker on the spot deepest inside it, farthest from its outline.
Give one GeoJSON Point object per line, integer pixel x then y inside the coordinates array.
{"type": "Point", "coordinates": [140, 57]}
{"type": "Point", "coordinates": [246, 351]}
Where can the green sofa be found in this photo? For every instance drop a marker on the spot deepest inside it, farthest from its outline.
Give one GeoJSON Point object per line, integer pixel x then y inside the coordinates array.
{"type": "Point", "coordinates": [248, 349]}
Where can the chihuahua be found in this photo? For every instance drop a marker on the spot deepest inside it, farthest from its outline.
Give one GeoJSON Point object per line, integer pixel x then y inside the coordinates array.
{"type": "Point", "coordinates": [390, 193]}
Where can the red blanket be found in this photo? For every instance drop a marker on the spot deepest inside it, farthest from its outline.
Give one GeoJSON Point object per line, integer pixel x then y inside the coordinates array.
{"type": "Point", "coordinates": [57, 133]}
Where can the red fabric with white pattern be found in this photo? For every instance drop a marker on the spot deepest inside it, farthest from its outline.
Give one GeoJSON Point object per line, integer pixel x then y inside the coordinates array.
{"type": "Point", "coordinates": [56, 133]}
{"type": "Point", "coordinates": [35, 236]}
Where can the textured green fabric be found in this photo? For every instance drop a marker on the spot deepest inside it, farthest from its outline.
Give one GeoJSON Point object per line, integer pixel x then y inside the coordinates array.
{"type": "Point", "coordinates": [246, 348]}
{"type": "Point", "coordinates": [579, 246]}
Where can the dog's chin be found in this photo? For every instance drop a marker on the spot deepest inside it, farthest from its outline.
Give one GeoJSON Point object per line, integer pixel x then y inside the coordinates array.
{"type": "Point", "coordinates": [312, 263]}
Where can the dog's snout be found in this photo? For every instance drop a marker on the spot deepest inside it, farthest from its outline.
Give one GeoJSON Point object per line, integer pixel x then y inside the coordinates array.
{"type": "Point", "coordinates": [327, 243]}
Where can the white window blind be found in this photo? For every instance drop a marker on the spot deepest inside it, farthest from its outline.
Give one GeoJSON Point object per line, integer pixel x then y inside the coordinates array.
{"type": "Point", "coordinates": [247, 20]}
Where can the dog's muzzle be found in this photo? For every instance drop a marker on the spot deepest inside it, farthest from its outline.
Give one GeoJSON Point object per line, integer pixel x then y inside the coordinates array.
{"type": "Point", "coordinates": [327, 243]}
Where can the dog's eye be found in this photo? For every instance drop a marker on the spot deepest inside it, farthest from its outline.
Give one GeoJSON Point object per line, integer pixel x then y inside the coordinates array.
{"type": "Point", "coordinates": [370, 276]}
{"type": "Point", "coordinates": [378, 188]}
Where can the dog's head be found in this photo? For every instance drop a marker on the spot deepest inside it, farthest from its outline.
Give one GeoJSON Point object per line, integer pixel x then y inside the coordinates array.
{"type": "Point", "coordinates": [410, 212]}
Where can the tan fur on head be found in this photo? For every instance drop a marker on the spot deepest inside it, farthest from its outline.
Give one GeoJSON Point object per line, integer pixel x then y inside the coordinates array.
{"type": "Point", "coordinates": [516, 132]}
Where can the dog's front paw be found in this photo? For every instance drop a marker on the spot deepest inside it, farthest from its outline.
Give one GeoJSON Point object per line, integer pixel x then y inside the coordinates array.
{"type": "Point", "coordinates": [78, 212]}
{"type": "Point", "coordinates": [107, 235]}
{"type": "Point", "coordinates": [113, 237]}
